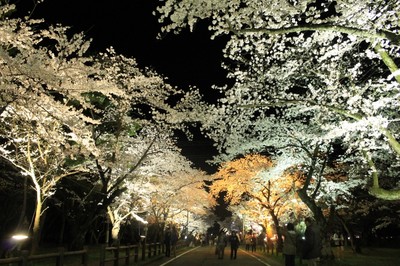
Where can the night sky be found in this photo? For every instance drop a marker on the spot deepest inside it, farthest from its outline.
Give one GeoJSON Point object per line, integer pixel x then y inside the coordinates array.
{"type": "Point", "coordinates": [187, 59]}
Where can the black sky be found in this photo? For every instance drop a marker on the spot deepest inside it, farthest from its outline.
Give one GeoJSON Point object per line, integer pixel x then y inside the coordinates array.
{"type": "Point", "coordinates": [187, 59]}
{"type": "Point", "coordinates": [131, 28]}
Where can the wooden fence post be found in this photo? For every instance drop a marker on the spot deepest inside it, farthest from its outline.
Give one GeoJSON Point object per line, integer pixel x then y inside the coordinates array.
{"type": "Point", "coordinates": [85, 256]}
{"type": "Point", "coordinates": [103, 255]}
{"type": "Point", "coordinates": [60, 257]}
{"type": "Point", "coordinates": [116, 256]}
{"type": "Point", "coordinates": [136, 253]}
{"type": "Point", "coordinates": [127, 254]}
{"type": "Point", "coordinates": [144, 249]}
{"type": "Point", "coordinates": [24, 258]}
{"type": "Point", "coordinates": [149, 251]}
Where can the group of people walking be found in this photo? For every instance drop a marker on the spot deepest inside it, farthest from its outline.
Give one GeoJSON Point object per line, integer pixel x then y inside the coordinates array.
{"type": "Point", "coordinates": [170, 241]}
{"type": "Point", "coordinates": [310, 249]}
{"type": "Point", "coordinates": [222, 242]}
{"type": "Point", "coordinates": [311, 245]}
{"type": "Point", "coordinates": [250, 241]}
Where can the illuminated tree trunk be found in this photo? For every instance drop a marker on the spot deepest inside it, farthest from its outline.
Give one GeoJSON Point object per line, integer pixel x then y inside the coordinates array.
{"type": "Point", "coordinates": [115, 221]}
{"type": "Point", "coordinates": [38, 212]}
{"type": "Point", "coordinates": [116, 227]}
{"type": "Point", "coordinates": [278, 232]}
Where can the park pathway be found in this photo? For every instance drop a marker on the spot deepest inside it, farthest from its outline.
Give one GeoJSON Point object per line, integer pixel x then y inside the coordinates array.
{"type": "Point", "coordinates": [205, 256]}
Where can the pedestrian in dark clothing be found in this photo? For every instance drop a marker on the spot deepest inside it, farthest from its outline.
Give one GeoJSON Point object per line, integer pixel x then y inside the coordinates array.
{"type": "Point", "coordinates": [234, 240]}
{"type": "Point", "coordinates": [313, 244]}
{"type": "Point", "coordinates": [254, 243]}
{"type": "Point", "coordinates": [289, 245]}
{"type": "Point", "coordinates": [174, 240]}
{"type": "Point", "coordinates": [262, 240]}
{"type": "Point", "coordinates": [167, 242]}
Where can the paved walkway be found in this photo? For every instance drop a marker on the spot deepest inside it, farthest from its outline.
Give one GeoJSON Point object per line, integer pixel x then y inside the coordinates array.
{"type": "Point", "coordinates": [205, 256]}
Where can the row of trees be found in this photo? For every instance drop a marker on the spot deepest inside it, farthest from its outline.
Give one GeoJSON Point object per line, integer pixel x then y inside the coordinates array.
{"type": "Point", "coordinates": [87, 133]}
{"type": "Point", "coordinates": [316, 88]}
{"type": "Point", "coordinates": [329, 67]}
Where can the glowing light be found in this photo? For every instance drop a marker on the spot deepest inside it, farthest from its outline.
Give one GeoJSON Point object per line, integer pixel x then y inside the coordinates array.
{"type": "Point", "coordinates": [19, 237]}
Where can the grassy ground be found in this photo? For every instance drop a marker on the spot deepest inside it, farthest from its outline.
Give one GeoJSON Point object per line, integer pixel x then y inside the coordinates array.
{"type": "Point", "coordinates": [368, 257]}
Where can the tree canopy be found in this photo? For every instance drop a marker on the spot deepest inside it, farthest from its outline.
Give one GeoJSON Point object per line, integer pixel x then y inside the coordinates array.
{"type": "Point", "coordinates": [330, 65]}
{"type": "Point", "coordinates": [65, 112]}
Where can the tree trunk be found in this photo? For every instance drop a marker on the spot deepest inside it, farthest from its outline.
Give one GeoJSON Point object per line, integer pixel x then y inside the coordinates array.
{"type": "Point", "coordinates": [116, 227]}
{"type": "Point", "coordinates": [349, 233]}
{"type": "Point", "coordinates": [317, 212]}
{"type": "Point", "coordinates": [279, 245]}
{"type": "Point", "coordinates": [36, 223]}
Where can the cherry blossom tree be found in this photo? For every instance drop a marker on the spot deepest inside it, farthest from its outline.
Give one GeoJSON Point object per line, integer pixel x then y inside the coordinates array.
{"type": "Point", "coordinates": [136, 146]}
{"type": "Point", "coordinates": [181, 185]}
{"type": "Point", "coordinates": [63, 112]}
{"type": "Point", "coordinates": [331, 61]}
{"type": "Point", "coordinates": [298, 154]}
{"type": "Point", "coordinates": [43, 75]}
{"type": "Point", "coordinates": [157, 187]}
{"type": "Point", "coordinates": [198, 203]}
{"type": "Point", "coordinates": [255, 180]}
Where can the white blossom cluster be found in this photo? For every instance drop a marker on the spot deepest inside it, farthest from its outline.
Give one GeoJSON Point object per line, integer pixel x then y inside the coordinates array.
{"type": "Point", "coordinates": [328, 66]}
{"type": "Point", "coordinates": [64, 113]}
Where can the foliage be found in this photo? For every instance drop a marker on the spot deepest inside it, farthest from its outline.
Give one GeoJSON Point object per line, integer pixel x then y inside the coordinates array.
{"type": "Point", "coordinates": [43, 72]}
{"type": "Point", "coordinates": [263, 189]}
{"type": "Point", "coordinates": [342, 79]}
{"type": "Point", "coordinates": [96, 118]}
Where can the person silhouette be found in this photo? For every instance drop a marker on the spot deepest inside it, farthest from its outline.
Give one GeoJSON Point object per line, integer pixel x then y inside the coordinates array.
{"type": "Point", "coordinates": [234, 240]}
{"type": "Point", "coordinates": [221, 243]}
{"type": "Point", "coordinates": [289, 244]}
{"type": "Point", "coordinates": [167, 242]}
{"type": "Point", "coordinates": [313, 243]}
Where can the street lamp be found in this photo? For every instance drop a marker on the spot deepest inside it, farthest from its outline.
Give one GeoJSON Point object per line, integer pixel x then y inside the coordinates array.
{"type": "Point", "coordinates": [19, 239]}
